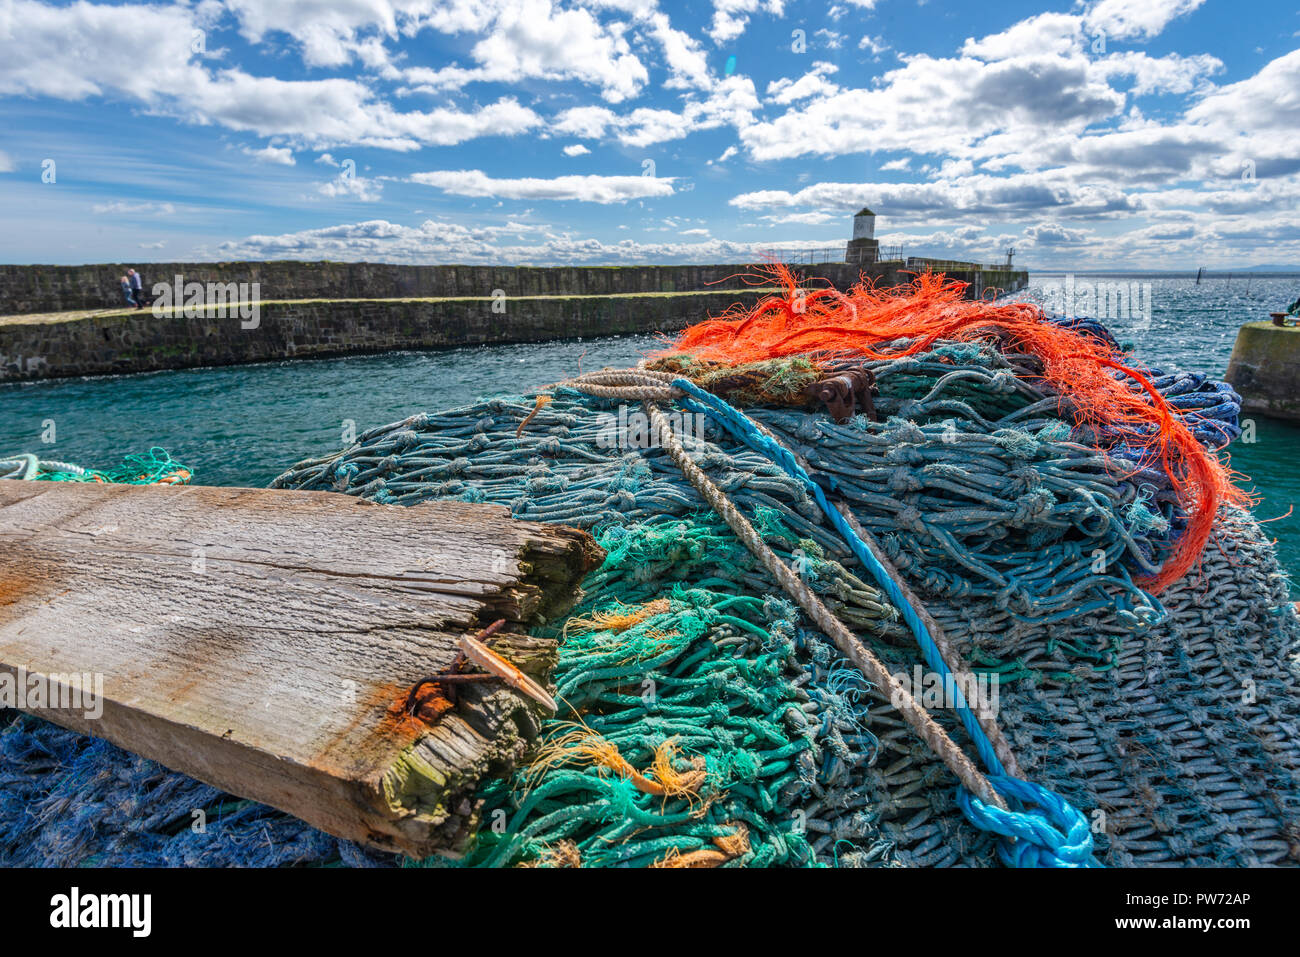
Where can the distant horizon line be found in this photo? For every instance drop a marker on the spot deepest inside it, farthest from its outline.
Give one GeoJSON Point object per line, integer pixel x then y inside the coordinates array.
{"type": "Point", "coordinates": [1280, 271]}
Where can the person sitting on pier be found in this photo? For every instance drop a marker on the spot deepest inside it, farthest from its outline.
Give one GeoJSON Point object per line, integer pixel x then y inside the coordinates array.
{"type": "Point", "coordinates": [126, 292]}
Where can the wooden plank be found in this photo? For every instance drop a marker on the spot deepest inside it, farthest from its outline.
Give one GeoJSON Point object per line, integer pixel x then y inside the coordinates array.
{"type": "Point", "coordinates": [264, 641]}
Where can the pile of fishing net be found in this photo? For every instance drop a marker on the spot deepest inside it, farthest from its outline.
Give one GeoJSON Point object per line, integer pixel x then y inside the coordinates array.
{"type": "Point", "coordinates": [1060, 512]}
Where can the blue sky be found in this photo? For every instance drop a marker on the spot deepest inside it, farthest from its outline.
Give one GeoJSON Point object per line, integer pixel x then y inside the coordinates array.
{"type": "Point", "coordinates": [1138, 133]}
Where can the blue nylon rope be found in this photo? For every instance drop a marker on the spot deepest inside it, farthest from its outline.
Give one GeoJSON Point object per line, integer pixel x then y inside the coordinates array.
{"type": "Point", "coordinates": [1051, 834]}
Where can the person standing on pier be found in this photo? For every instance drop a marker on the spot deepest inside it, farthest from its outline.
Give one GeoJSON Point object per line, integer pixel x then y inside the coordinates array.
{"type": "Point", "coordinates": [137, 288]}
{"type": "Point", "coordinates": [126, 292]}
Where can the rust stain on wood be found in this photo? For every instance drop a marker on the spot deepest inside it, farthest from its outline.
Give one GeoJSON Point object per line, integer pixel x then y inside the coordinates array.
{"type": "Point", "coordinates": [430, 705]}
{"type": "Point", "coordinates": [380, 711]}
{"type": "Point", "coordinates": [16, 583]}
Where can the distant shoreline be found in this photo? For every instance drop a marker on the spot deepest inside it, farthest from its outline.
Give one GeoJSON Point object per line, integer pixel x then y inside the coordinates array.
{"type": "Point", "coordinates": [1171, 274]}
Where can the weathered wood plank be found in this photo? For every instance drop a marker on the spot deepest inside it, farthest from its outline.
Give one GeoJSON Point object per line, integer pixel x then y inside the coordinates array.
{"type": "Point", "coordinates": [265, 641]}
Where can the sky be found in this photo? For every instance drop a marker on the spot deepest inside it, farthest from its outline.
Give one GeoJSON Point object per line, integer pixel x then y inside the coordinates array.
{"type": "Point", "coordinates": [1107, 134]}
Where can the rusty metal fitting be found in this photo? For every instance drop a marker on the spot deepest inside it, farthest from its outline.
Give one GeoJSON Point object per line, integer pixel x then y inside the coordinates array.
{"type": "Point", "coordinates": [845, 393]}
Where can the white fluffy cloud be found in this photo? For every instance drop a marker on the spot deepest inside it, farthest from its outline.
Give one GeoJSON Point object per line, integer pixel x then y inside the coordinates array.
{"type": "Point", "coordinates": [979, 195]}
{"type": "Point", "coordinates": [1054, 34]}
{"type": "Point", "coordinates": [122, 207]}
{"type": "Point", "coordinates": [1123, 19]}
{"type": "Point", "coordinates": [684, 56]}
{"type": "Point", "coordinates": [1269, 100]}
{"type": "Point", "coordinates": [588, 122]}
{"type": "Point", "coordinates": [271, 154]}
{"type": "Point", "coordinates": [1054, 234]}
{"type": "Point", "coordinates": [516, 39]}
{"type": "Point", "coordinates": [329, 33]}
{"type": "Point", "coordinates": [813, 83]}
{"type": "Point", "coordinates": [1040, 74]}
{"type": "Point", "coordinates": [349, 186]}
{"type": "Point", "coordinates": [538, 39]}
{"type": "Point", "coordinates": [384, 241]}
{"type": "Point", "coordinates": [173, 80]}
{"type": "Point", "coordinates": [321, 113]}
{"type": "Point", "coordinates": [587, 189]}
{"type": "Point", "coordinates": [731, 102]}
{"type": "Point", "coordinates": [873, 45]}
{"type": "Point", "coordinates": [39, 41]}
{"type": "Point", "coordinates": [730, 17]}
{"type": "Point", "coordinates": [941, 106]}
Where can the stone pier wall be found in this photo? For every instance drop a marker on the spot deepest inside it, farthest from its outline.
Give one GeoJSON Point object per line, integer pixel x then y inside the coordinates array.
{"type": "Point", "coordinates": [39, 289]}
{"type": "Point", "coordinates": [330, 309]}
{"type": "Point", "coordinates": [1265, 369]}
{"type": "Point", "coordinates": [140, 342]}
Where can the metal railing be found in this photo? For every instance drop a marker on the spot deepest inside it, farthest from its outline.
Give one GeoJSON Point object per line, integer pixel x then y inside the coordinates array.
{"type": "Point", "coordinates": [892, 256]}
{"type": "Point", "coordinates": [806, 257]}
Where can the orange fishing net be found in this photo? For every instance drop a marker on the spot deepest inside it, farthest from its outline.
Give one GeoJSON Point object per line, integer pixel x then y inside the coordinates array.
{"type": "Point", "coordinates": [824, 323]}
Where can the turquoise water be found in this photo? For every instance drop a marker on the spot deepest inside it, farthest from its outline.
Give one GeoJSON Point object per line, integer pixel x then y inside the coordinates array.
{"type": "Point", "coordinates": [246, 424]}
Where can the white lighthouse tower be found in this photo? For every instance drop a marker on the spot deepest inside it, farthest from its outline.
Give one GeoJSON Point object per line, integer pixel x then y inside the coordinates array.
{"type": "Point", "coordinates": [864, 224]}
{"type": "Point", "coordinates": [863, 247]}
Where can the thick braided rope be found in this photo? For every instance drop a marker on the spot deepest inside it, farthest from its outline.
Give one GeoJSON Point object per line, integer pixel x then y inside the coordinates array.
{"type": "Point", "coordinates": [743, 429]}
{"type": "Point", "coordinates": [871, 667]}
{"type": "Point", "coordinates": [23, 466]}
{"type": "Point", "coordinates": [1001, 747]}
{"type": "Point", "coordinates": [649, 385]}
{"type": "Point", "coordinates": [631, 385]}
{"type": "Point", "coordinates": [986, 720]}
{"type": "Point", "coordinates": [1060, 833]}
{"type": "Point", "coordinates": [1040, 841]}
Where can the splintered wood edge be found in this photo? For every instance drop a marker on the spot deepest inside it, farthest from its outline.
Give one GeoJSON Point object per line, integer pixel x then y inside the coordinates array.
{"type": "Point", "coordinates": [550, 569]}
{"type": "Point", "coordinates": [430, 791]}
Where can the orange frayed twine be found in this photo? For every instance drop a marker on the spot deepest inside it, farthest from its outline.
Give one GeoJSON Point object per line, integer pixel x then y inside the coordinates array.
{"type": "Point", "coordinates": [619, 618]}
{"type": "Point", "coordinates": [826, 324]}
{"type": "Point", "coordinates": [725, 848]}
{"type": "Point", "coordinates": [542, 402]}
{"type": "Point", "coordinates": [581, 745]}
